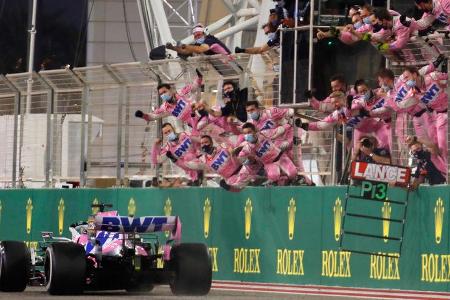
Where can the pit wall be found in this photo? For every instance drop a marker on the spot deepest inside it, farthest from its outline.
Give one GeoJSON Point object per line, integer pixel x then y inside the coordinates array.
{"type": "Point", "coordinates": [276, 235]}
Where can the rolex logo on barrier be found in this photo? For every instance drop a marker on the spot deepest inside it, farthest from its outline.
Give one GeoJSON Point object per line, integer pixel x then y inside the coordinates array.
{"type": "Point", "coordinates": [168, 212]}
{"type": "Point", "coordinates": [438, 220]}
{"type": "Point", "coordinates": [291, 218]}
{"type": "Point", "coordinates": [206, 217]}
{"type": "Point", "coordinates": [29, 210]}
{"type": "Point", "coordinates": [95, 210]}
{"type": "Point", "coordinates": [61, 209]}
{"type": "Point", "coordinates": [131, 208]}
{"type": "Point", "coordinates": [248, 217]}
{"type": "Point", "coordinates": [337, 209]}
{"type": "Point", "coordinates": [386, 211]}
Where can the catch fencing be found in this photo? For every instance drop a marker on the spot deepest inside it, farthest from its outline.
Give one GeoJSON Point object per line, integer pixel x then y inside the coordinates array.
{"type": "Point", "coordinates": [78, 125]}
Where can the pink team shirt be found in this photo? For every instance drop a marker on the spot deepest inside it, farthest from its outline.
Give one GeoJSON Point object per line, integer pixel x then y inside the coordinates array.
{"type": "Point", "coordinates": [184, 149]}
{"type": "Point", "coordinates": [434, 94]}
{"type": "Point", "coordinates": [181, 109]}
{"type": "Point", "coordinates": [264, 150]}
{"type": "Point", "coordinates": [270, 118]}
{"type": "Point", "coordinates": [221, 162]}
{"type": "Point", "coordinates": [339, 116]}
{"type": "Point", "coordinates": [440, 11]}
{"type": "Point", "coordinates": [403, 99]}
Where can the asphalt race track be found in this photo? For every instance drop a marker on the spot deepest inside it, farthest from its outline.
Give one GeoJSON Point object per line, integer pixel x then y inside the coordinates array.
{"type": "Point", "coordinates": [160, 292]}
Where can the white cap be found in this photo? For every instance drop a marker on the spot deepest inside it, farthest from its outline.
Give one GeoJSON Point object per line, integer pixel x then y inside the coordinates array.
{"type": "Point", "coordinates": [198, 28]}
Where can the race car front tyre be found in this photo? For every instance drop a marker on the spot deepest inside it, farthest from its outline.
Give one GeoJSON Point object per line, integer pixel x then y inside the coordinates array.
{"type": "Point", "coordinates": [65, 268]}
{"type": "Point", "coordinates": [191, 264]}
{"type": "Point", "coordinates": [14, 266]}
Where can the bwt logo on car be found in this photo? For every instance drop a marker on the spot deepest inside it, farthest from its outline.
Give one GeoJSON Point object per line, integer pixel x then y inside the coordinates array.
{"type": "Point", "coordinates": [268, 125]}
{"type": "Point", "coordinates": [401, 94]}
{"type": "Point", "coordinates": [183, 147]}
{"type": "Point", "coordinates": [220, 160]}
{"type": "Point", "coordinates": [430, 94]}
{"type": "Point", "coordinates": [261, 151]}
{"type": "Point", "coordinates": [115, 224]}
{"type": "Point", "coordinates": [178, 108]}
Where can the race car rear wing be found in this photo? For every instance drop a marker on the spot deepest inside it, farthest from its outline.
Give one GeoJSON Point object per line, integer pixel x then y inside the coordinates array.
{"type": "Point", "coordinates": [138, 225]}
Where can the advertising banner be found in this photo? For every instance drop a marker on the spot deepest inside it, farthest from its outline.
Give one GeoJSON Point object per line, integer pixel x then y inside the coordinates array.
{"type": "Point", "coordinates": [277, 235]}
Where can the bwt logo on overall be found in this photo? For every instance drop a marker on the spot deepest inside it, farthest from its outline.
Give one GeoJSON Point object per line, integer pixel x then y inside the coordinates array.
{"type": "Point", "coordinates": [401, 94]}
{"type": "Point", "coordinates": [268, 125]}
{"type": "Point", "coordinates": [220, 160]}
{"type": "Point", "coordinates": [263, 150]}
{"type": "Point", "coordinates": [178, 108]}
{"type": "Point", "coordinates": [430, 94]}
{"type": "Point", "coordinates": [380, 104]}
{"type": "Point", "coordinates": [183, 148]}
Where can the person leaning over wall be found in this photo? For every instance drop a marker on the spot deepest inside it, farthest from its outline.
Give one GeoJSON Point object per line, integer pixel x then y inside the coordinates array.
{"type": "Point", "coordinates": [431, 166]}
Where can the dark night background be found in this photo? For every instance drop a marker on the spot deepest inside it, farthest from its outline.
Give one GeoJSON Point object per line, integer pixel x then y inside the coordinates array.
{"type": "Point", "coordinates": [61, 34]}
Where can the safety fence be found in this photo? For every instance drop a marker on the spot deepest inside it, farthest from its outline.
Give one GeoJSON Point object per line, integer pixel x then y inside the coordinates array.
{"type": "Point", "coordinates": [78, 126]}
{"type": "Point", "coordinates": [269, 235]}
{"type": "Point", "coordinates": [298, 68]}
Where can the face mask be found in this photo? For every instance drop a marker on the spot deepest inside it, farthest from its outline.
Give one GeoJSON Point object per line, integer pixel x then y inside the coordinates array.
{"type": "Point", "coordinates": [411, 83]}
{"type": "Point", "coordinates": [366, 20]}
{"type": "Point", "coordinates": [367, 96]}
{"type": "Point", "coordinates": [357, 25]}
{"type": "Point", "coordinates": [250, 138]}
{"type": "Point", "coordinates": [172, 136]}
{"type": "Point", "coordinates": [275, 23]}
{"type": "Point", "coordinates": [385, 88]}
{"type": "Point", "coordinates": [254, 115]}
{"type": "Point", "coordinates": [207, 149]}
{"type": "Point", "coordinates": [200, 40]}
{"type": "Point", "coordinates": [229, 94]}
{"type": "Point", "coordinates": [272, 36]}
{"type": "Point", "coordinates": [420, 154]}
{"type": "Point", "coordinates": [166, 97]}
{"type": "Point", "coordinates": [202, 113]}
{"type": "Point", "coordinates": [377, 27]}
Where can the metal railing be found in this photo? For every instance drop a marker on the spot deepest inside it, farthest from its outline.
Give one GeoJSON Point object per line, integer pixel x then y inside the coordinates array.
{"type": "Point", "coordinates": [80, 126]}
{"type": "Point", "coordinates": [419, 51]}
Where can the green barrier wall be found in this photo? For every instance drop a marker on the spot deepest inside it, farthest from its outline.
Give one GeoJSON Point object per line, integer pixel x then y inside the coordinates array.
{"type": "Point", "coordinates": [278, 235]}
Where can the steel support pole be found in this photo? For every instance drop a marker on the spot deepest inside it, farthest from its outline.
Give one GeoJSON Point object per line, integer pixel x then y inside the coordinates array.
{"type": "Point", "coordinates": [294, 85]}
{"type": "Point", "coordinates": [145, 26]}
{"type": "Point", "coordinates": [49, 143]}
{"type": "Point", "coordinates": [280, 68]}
{"type": "Point", "coordinates": [238, 27]}
{"type": "Point", "coordinates": [32, 32]}
{"type": "Point", "coordinates": [311, 44]}
{"type": "Point", "coordinates": [333, 157]}
{"type": "Point", "coordinates": [160, 17]}
{"type": "Point", "coordinates": [83, 144]}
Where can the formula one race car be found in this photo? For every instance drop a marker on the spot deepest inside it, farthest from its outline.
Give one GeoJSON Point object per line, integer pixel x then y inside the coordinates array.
{"type": "Point", "coordinates": [109, 252]}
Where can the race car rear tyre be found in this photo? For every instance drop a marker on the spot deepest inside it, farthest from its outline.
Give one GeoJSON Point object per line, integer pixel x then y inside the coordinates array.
{"type": "Point", "coordinates": [65, 268]}
{"type": "Point", "coordinates": [14, 266]}
{"type": "Point", "coordinates": [191, 264]}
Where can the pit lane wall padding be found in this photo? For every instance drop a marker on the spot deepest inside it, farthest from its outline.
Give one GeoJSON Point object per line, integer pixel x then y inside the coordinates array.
{"type": "Point", "coordinates": [277, 235]}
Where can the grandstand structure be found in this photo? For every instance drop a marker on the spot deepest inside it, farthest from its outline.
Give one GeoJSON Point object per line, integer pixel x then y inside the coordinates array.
{"type": "Point", "coordinates": [77, 125]}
